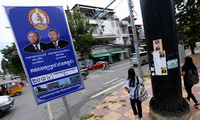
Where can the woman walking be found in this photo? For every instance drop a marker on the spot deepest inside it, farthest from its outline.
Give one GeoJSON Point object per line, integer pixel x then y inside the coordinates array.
{"type": "Point", "coordinates": [188, 64]}
{"type": "Point", "coordinates": [131, 85]}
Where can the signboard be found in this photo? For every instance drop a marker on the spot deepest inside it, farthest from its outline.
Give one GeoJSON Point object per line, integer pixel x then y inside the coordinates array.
{"type": "Point", "coordinates": [46, 50]}
{"type": "Point", "coordinates": [181, 37]}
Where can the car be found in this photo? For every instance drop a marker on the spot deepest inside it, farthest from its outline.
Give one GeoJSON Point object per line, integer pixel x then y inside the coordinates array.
{"type": "Point", "coordinates": [2, 77]}
{"type": "Point", "coordinates": [84, 72]}
{"type": "Point", "coordinates": [18, 78]}
{"type": "Point", "coordinates": [99, 64]}
{"type": "Point", "coordinates": [6, 102]}
{"type": "Point", "coordinates": [143, 58]}
{"type": "Point", "coordinates": [10, 88]}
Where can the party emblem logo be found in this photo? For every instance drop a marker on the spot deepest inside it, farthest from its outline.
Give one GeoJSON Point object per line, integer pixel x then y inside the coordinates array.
{"type": "Point", "coordinates": [38, 19]}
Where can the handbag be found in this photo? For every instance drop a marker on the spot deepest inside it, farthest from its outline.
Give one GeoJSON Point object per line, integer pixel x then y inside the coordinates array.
{"type": "Point", "coordinates": [142, 92]}
{"type": "Point", "coordinates": [192, 77]}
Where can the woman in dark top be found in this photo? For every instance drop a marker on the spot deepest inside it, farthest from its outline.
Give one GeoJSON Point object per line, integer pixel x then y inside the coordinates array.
{"type": "Point", "coordinates": [188, 64]}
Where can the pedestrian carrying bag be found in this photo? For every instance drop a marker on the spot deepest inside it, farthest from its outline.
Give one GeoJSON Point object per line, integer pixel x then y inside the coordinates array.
{"type": "Point", "coordinates": [142, 92]}
{"type": "Point", "coordinates": [193, 77]}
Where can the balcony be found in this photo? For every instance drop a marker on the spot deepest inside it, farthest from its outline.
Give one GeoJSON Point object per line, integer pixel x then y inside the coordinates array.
{"type": "Point", "coordinates": [124, 23]}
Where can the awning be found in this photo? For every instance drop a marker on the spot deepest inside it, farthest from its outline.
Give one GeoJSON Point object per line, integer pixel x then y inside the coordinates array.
{"type": "Point", "coordinates": [101, 55]}
{"type": "Point", "coordinates": [119, 51]}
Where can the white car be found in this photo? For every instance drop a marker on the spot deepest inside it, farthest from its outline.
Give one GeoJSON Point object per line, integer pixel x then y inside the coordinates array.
{"type": "Point", "coordinates": [6, 102]}
{"type": "Point", "coordinates": [2, 77]}
{"type": "Point", "coordinates": [143, 58]}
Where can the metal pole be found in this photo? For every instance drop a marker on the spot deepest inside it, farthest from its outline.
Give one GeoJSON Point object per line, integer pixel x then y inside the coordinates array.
{"type": "Point", "coordinates": [66, 107]}
{"type": "Point", "coordinates": [160, 28]}
{"type": "Point", "coordinates": [130, 4]}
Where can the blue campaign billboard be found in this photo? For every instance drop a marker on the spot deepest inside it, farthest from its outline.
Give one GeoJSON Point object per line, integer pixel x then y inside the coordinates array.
{"type": "Point", "coordinates": [46, 50]}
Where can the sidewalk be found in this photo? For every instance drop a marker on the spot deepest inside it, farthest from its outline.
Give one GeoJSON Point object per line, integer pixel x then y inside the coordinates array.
{"type": "Point", "coordinates": [116, 106]}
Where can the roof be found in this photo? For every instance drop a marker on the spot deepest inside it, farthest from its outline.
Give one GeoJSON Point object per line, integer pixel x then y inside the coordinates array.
{"type": "Point", "coordinates": [5, 82]}
{"type": "Point", "coordinates": [128, 18]}
{"type": "Point", "coordinates": [90, 7]}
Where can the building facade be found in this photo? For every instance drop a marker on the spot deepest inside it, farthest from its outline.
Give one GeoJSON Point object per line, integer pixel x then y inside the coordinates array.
{"type": "Point", "coordinates": [113, 39]}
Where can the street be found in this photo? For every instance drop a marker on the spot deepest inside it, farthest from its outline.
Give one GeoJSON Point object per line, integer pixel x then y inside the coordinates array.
{"type": "Point", "coordinates": [98, 84]}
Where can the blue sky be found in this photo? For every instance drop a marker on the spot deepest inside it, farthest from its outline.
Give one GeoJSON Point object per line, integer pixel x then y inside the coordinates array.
{"type": "Point", "coordinates": [119, 6]}
{"type": "Point", "coordinates": [63, 81]}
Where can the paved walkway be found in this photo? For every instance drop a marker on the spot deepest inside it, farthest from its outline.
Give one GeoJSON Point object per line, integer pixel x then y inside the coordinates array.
{"type": "Point", "coordinates": [116, 106]}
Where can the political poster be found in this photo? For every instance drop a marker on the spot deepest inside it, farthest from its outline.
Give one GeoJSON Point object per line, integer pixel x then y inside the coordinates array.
{"type": "Point", "coordinates": [46, 50]}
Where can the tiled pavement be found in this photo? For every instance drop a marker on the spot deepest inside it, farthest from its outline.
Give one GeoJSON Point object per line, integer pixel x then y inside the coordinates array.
{"type": "Point", "coordinates": [116, 106]}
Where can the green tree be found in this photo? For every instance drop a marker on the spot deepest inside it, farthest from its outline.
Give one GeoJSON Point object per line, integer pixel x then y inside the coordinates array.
{"type": "Point", "coordinates": [13, 63]}
{"type": "Point", "coordinates": [1, 73]}
{"type": "Point", "coordinates": [188, 17]}
{"type": "Point", "coordinates": [81, 31]}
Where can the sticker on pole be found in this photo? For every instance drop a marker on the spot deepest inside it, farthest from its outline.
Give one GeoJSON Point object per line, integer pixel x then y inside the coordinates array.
{"type": "Point", "coordinates": [172, 63]}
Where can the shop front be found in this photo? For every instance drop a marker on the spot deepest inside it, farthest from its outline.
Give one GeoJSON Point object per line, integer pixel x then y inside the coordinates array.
{"type": "Point", "coordinates": [108, 53]}
{"type": "Point", "coordinates": [118, 55]}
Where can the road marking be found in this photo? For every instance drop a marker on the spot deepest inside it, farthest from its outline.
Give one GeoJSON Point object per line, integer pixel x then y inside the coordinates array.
{"type": "Point", "coordinates": [100, 88]}
{"type": "Point", "coordinates": [106, 77]}
{"type": "Point", "coordinates": [118, 81]}
{"type": "Point", "coordinates": [107, 90]}
{"type": "Point", "coordinates": [107, 71]}
{"type": "Point", "coordinates": [49, 111]}
{"type": "Point", "coordinates": [83, 91]}
{"type": "Point", "coordinates": [110, 81]}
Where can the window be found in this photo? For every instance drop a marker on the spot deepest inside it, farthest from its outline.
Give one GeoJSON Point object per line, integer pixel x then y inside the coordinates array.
{"type": "Point", "coordinates": [117, 24]}
{"type": "Point", "coordinates": [118, 32]}
{"type": "Point", "coordinates": [102, 27]}
{"type": "Point", "coordinates": [112, 24]}
{"type": "Point", "coordinates": [143, 54]}
{"type": "Point", "coordinates": [94, 29]}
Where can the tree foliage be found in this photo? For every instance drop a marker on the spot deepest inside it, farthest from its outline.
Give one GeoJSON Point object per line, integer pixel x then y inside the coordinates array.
{"type": "Point", "coordinates": [13, 63]}
{"type": "Point", "coordinates": [81, 31]}
{"type": "Point", "coordinates": [188, 21]}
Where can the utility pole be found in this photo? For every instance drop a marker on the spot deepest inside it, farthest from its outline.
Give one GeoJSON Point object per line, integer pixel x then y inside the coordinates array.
{"type": "Point", "coordinates": [159, 22]}
{"type": "Point", "coordinates": [131, 6]}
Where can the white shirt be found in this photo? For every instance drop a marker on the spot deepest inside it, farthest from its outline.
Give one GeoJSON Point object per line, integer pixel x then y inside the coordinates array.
{"type": "Point", "coordinates": [56, 43]}
{"type": "Point", "coordinates": [132, 89]}
{"type": "Point", "coordinates": [37, 45]}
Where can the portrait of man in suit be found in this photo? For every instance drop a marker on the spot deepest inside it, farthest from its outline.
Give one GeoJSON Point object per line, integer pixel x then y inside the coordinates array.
{"type": "Point", "coordinates": [36, 45]}
{"type": "Point", "coordinates": [56, 43]}
{"type": "Point", "coordinates": [157, 47]}
{"type": "Point", "coordinates": [163, 70]}
{"type": "Point", "coordinates": [162, 54]}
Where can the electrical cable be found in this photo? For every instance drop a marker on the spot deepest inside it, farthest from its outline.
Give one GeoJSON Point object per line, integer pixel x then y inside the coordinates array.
{"type": "Point", "coordinates": [117, 5]}
{"type": "Point", "coordinates": [135, 12]}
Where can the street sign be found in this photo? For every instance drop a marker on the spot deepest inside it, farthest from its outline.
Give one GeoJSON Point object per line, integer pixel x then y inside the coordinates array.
{"type": "Point", "coordinates": [181, 37]}
{"type": "Point", "coordinates": [52, 68]}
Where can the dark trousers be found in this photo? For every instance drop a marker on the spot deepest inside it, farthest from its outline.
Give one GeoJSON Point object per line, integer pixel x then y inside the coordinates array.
{"type": "Point", "coordinates": [139, 107]}
{"type": "Point", "coordinates": [188, 89]}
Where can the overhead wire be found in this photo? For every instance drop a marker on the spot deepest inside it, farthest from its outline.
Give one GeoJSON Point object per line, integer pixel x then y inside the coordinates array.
{"type": "Point", "coordinates": [118, 4]}
{"type": "Point", "coordinates": [135, 12]}
{"type": "Point", "coordinates": [113, 10]}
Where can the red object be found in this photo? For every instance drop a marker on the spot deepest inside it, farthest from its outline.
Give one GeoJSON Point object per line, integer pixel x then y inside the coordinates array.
{"type": "Point", "coordinates": [3, 89]}
{"type": "Point", "coordinates": [99, 64]}
{"type": "Point", "coordinates": [21, 83]}
{"type": "Point", "coordinates": [181, 37]}
{"type": "Point", "coordinates": [55, 45]}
